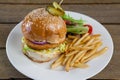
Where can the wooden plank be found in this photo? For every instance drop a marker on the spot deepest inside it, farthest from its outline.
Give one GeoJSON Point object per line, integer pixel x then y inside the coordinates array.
{"type": "Point", "coordinates": [4, 32]}
{"type": "Point", "coordinates": [6, 69]}
{"type": "Point", "coordinates": [103, 13]}
{"type": "Point", "coordinates": [65, 1]}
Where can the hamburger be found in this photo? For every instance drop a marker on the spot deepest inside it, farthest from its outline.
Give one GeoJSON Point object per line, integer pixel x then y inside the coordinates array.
{"type": "Point", "coordinates": [43, 35]}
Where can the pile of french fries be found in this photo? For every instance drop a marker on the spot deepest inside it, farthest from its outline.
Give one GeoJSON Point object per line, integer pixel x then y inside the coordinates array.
{"type": "Point", "coordinates": [79, 51]}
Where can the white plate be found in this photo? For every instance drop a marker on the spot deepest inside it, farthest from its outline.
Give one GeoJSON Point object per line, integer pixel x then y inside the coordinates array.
{"type": "Point", "coordinates": [42, 71]}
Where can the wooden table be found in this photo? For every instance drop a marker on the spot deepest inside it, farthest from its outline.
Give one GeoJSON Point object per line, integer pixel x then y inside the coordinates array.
{"type": "Point", "coordinates": [106, 12]}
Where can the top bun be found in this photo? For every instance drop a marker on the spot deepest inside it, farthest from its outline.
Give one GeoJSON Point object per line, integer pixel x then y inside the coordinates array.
{"type": "Point", "coordinates": [39, 25]}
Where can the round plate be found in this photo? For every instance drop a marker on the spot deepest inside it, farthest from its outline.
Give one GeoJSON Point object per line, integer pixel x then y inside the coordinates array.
{"type": "Point", "coordinates": [42, 71]}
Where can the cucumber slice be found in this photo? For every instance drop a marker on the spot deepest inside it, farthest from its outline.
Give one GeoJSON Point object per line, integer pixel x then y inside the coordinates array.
{"type": "Point", "coordinates": [54, 11]}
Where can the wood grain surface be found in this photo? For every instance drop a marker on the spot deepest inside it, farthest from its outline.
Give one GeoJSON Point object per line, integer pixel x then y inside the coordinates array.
{"type": "Point", "coordinates": [102, 13]}
{"type": "Point", "coordinates": [65, 1]}
{"type": "Point", "coordinates": [106, 12]}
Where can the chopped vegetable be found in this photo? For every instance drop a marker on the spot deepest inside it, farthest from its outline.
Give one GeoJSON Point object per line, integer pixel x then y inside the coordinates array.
{"type": "Point", "coordinates": [54, 11]}
{"type": "Point", "coordinates": [90, 28]}
{"type": "Point", "coordinates": [77, 30]}
{"type": "Point", "coordinates": [69, 18]}
{"type": "Point", "coordinates": [67, 22]}
{"type": "Point", "coordinates": [39, 43]}
{"type": "Point", "coordinates": [74, 26]}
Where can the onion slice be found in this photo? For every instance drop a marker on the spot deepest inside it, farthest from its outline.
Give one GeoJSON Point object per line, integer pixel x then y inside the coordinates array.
{"type": "Point", "coordinates": [39, 43]}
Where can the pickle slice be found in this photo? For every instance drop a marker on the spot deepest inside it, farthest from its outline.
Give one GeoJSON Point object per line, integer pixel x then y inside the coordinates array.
{"type": "Point", "coordinates": [57, 6]}
{"type": "Point", "coordinates": [54, 11]}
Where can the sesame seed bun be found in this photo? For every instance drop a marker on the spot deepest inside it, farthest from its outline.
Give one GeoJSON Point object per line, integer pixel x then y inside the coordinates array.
{"type": "Point", "coordinates": [39, 25]}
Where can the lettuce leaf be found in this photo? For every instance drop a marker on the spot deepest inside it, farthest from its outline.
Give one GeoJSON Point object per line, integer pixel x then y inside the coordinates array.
{"type": "Point", "coordinates": [69, 18]}
{"type": "Point", "coordinates": [75, 26]}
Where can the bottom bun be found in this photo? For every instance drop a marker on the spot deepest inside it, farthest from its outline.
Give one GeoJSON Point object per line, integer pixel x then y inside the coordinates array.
{"type": "Point", "coordinates": [40, 56]}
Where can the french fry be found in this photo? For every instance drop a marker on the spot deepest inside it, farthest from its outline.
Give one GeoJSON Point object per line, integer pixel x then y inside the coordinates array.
{"type": "Point", "coordinates": [77, 56]}
{"type": "Point", "coordinates": [71, 37]}
{"type": "Point", "coordinates": [79, 51]}
{"type": "Point", "coordinates": [80, 57]}
{"type": "Point", "coordinates": [71, 53]}
{"type": "Point", "coordinates": [89, 42]}
{"type": "Point", "coordinates": [96, 35]}
{"type": "Point", "coordinates": [98, 44]}
{"type": "Point", "coordinates": [67, 66]}
{"type": "Point", "coordinates": [89, 54]}
{"type": "Point", "coordinates": [86, 39]}
{"type": "Point", "coordinates": [68, 40]}
{"type": "Point", "coordinates": [65, 60]}
{"type": "Point", "coordinates": [73, 42]}
{"type": "Point", "coordinates": [60, 58]}
{"type": "Point", "coordinates": [54, 65]}
{"type": "Point", "coordinates": [88, 48]}
{"type": "Point", "coordinates": [82, 48]}
{"type": "Point", "coordinates": [57, 62]}
{"type": "Point", "coordinates": [76, 48]}
{"type": "Point", "coordinates": [80, 65]}
{"type": "Point", "coordinates": [103, 50]}
{"type": "Point", "coordinates": [66, 49]}
{"type": "Point", "coordinates": [78, 42]}
{"type": "Point", "coordinates": [96, 41]}
{"type": "Point", "coordinates": [100, 52]}
{"type": "Point", "coordinates": [97, 38]}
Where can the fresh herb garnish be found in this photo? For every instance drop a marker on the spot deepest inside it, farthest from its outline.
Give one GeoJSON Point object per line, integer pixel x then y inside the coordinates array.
{"type": "Point", "coordinates": [74, 26]}
{"type": "Point", "coordinates": [69, 18]}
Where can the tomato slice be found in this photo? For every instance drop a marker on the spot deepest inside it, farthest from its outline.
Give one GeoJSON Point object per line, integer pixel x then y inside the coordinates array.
{"type": "Point", "coordinates": [67, 22]}
{"type": "Point", "coordinates": [90, 28]}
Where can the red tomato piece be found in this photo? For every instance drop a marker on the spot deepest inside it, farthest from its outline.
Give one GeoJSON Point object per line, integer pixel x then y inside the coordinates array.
{"type": "Point", "coordinates": [90, 28]}
{"type": "Point", "coordinates": [67, 22]}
